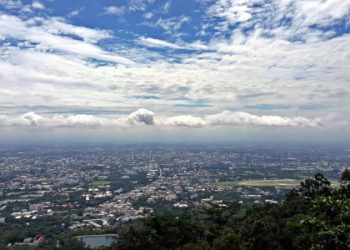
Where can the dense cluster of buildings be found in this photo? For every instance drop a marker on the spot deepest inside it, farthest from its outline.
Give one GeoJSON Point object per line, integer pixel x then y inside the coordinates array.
{"type": "Point", "coordinates": [100, 188]}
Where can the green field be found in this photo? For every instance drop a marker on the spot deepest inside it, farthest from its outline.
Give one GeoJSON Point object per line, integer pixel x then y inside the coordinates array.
{"type": "Point", "coordinates": [263, 183]}
{"type": "Point", "coordinates": [14, 194]}
{"type": "Point", "coordinates": [100, 183]}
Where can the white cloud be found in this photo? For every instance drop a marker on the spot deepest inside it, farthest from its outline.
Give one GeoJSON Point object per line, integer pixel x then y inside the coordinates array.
{"type": "Point", "coordinates": [44, 33]}
{"type": "Point", "coordinates": [291, 16]}
{"type": "Point", "coordinates": [152, 42]}
{"type": "Point", "coordinates": [114, 10]}
{"type": "Point", "coordinates": [321, 12]}
{"type": "Point", "coordinates": [11, 4]}
{"type": "Point", "coordinates": [265, 61]}
{"type": "Point", "coordinates": [58, 26]}
{"type": "Point", "coordinates": [148, 15]}
{"type": "Point", "coordinates": [30, 118]}
{"type": "Point", "coordinates": [185, 120]}
{"type": "Point", "coordinates": [146, 117]}
{"type": "Point", "coordinates": [3, 120]}
{"type": "Point", "coordinates": [243, 118]}
{"type": "Point", "coordinates": [74, 13]}
{"type": "Point", "coordinates": [139, 5]}
{"type": "Point", "coordinates": [157, 43]}
{"type": "Point", "coordinates": [131, 6]}
{"type": "Point", "coordinates": [166, 7]}
{"type": "Point", "coordinates": [82, 120]}
{"type": "Point", "coordinates": [38, 5]}
{"type": "Point", "coordinates": [172, 25]}
{"type": "Point", "coordinates": [141, 116]}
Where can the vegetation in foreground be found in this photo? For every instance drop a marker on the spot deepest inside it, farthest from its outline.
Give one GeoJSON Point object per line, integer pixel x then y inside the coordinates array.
{"type": "Point", "coordinates": [313, 216]}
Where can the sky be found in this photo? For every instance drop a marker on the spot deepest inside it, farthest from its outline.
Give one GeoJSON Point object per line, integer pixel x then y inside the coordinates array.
{"type": "Point", "coordinates": [196, 70]}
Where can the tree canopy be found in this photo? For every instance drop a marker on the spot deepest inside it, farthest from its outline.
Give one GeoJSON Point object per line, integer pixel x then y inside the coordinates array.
{"type": "Point", "coordinates": [314, 216]}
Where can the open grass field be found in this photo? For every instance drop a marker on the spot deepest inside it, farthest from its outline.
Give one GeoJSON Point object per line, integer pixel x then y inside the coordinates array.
{"type": "Point", "coordinates": [263, 183]}
{"type": "Point", "coordinates": [100, 183]}
{"type": "Point", "coordinates": [270, 183]}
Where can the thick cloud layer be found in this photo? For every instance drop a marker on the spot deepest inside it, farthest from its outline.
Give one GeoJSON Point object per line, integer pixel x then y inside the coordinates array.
{"type": "Point", "coordinates": [243, 118]}
{"type": "Point", "coordinates": [184, 120]}
{"type": "Point", "coordinates": [147, 118]}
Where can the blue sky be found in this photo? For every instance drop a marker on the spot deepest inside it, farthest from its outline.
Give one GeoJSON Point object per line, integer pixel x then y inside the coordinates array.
{"type": "Point", "coordinates": [149, 65]}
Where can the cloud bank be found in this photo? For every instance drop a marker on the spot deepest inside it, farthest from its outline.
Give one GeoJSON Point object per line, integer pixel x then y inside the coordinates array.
{"type": "Point", "coordinates": [147, 118]}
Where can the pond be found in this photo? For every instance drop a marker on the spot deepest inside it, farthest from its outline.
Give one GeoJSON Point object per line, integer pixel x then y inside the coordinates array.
{"type": "Point", "coordinates": [95, 241]}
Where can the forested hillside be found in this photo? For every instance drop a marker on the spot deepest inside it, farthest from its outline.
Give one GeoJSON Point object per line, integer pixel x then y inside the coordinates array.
{"type": "Point", "coordinates": [314, 216]}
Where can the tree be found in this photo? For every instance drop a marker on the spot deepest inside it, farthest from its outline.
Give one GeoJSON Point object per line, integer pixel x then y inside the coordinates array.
{"type": "Point", "coordinates": [345, 183]}
{"type": "Point", "coordinates": [325, 225]}
{"type": "Point", "coordinates": [200, 245]}
{"type": "Point", "coordinates": [229, 240]}
{"type": "Point", "coordinates": [319, 185]}
{"type": "Point", "coordinates": [260, 230]}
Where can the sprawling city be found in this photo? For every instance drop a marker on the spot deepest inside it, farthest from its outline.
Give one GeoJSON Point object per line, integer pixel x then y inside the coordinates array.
{"type": "Point", "coordinates": [47, 192]}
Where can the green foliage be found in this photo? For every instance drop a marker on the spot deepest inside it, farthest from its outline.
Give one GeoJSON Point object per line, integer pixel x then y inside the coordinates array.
{"type": "Point", "coordinates": [319, 185]}
{"type": "Point", "coordinates": [228, 240]}
{"type": "Point", "coordinates": [200, 245]}
{"type": "Point", "coordinates": [345, 183]}
{"type": "Point", "coordinates": [345, 177]}
{"type": "Point", "coordinates": [315, 216]}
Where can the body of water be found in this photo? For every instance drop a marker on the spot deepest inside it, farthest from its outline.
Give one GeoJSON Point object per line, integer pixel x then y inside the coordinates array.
{"type": "Point", "coordinates": [94, 241]}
